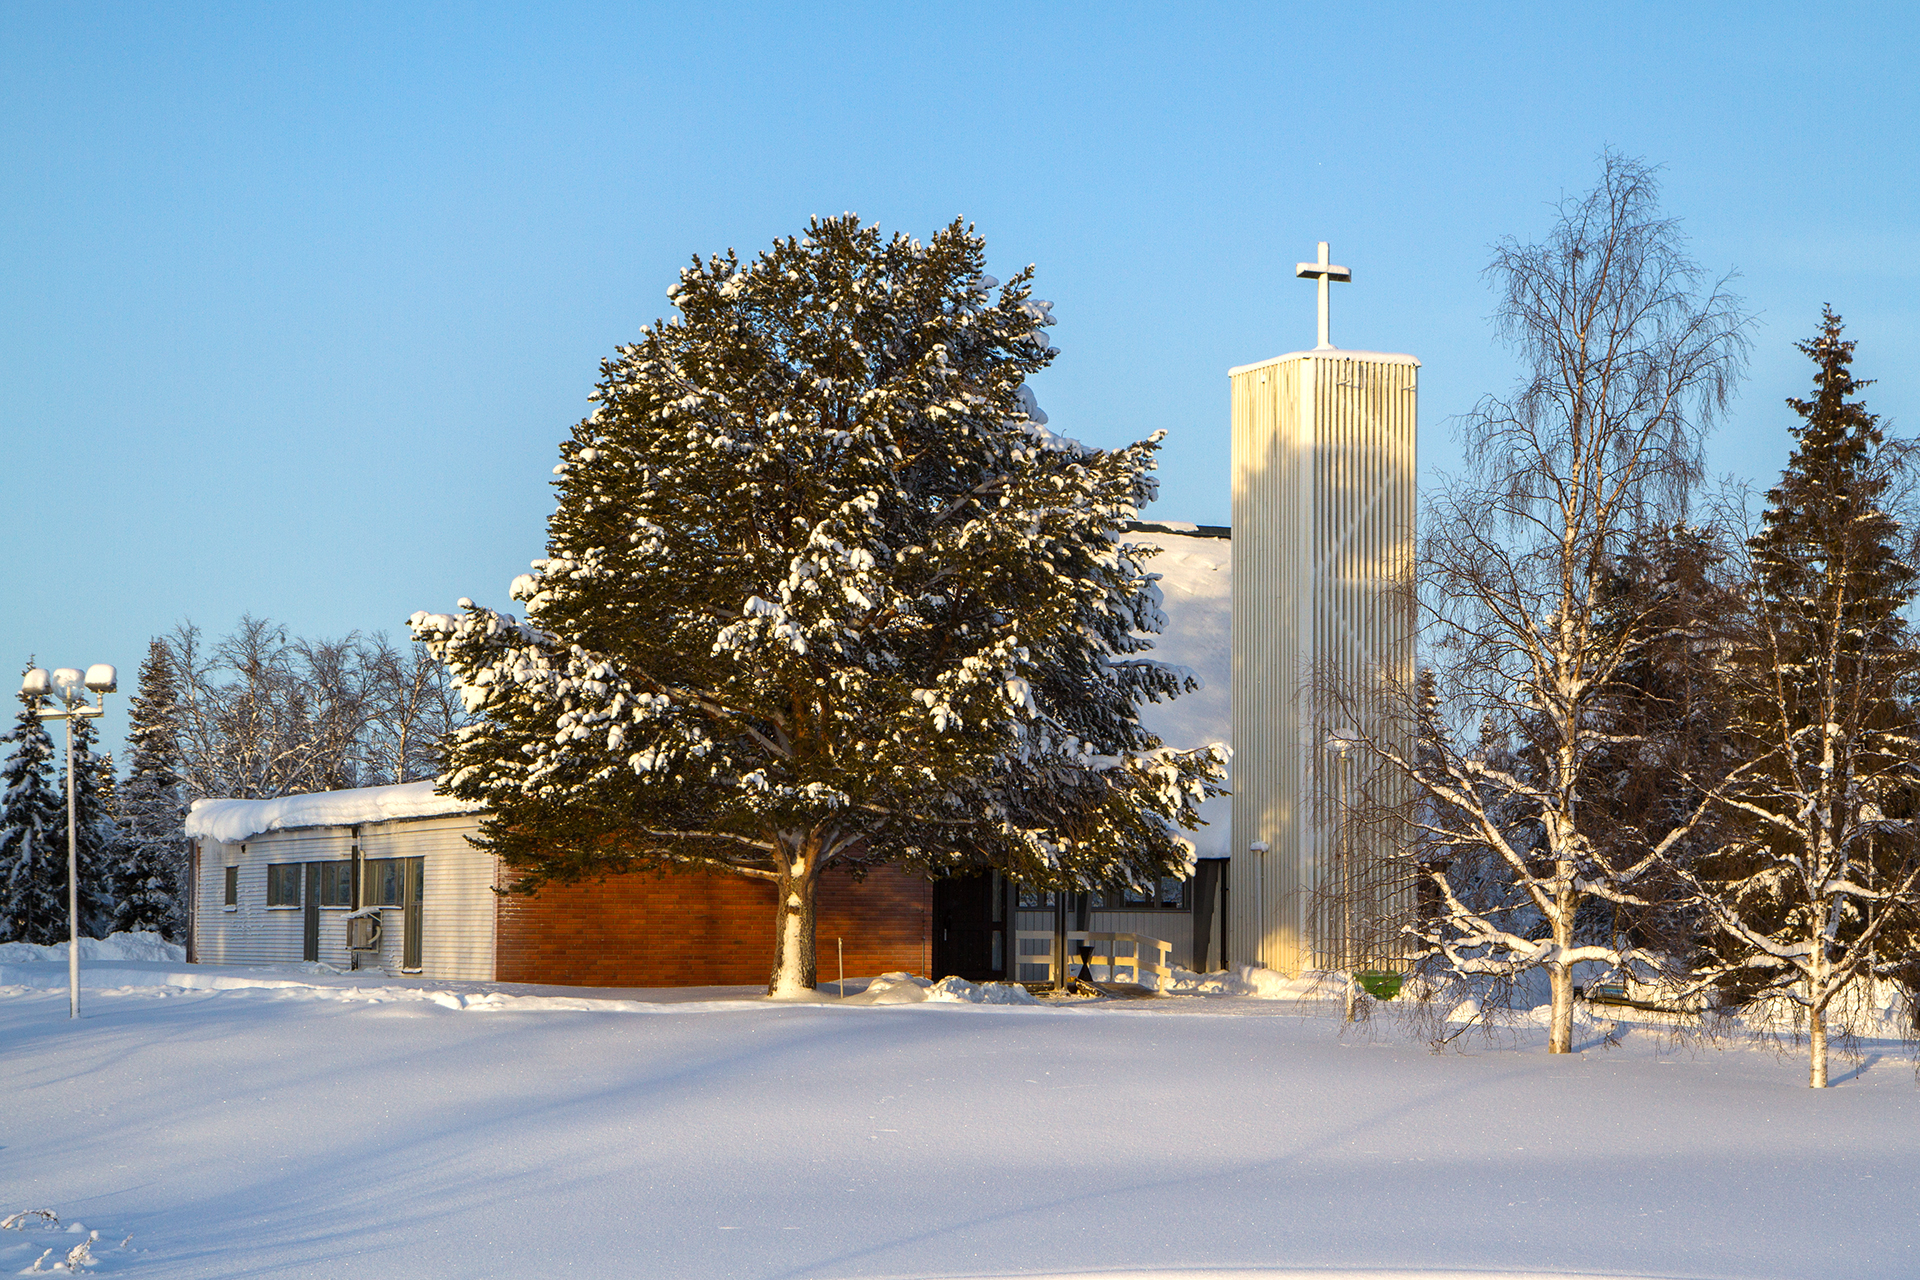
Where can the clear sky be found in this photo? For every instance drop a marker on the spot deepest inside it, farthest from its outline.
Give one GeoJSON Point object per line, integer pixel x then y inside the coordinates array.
{"type": "Point", "coordinates": [297, 301]}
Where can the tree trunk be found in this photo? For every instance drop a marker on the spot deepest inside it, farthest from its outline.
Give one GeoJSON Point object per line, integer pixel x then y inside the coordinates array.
{"type": "Point", "coordinates": [1560, 1033]}
{"type": "Point", "coordinates": [794, 971]}
{"type": "Point", "coordinates": [1818, 970]}
{"type": "Point", "coordinates": [1817, 1044]}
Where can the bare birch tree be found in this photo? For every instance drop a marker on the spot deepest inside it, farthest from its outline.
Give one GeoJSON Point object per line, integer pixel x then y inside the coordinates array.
{"type": "Point", "coordinates": [262, 713]}
{"type": "Point", "coordinates": [1628, 356]}
{"type": "Point", "coordinates": [412, 707]}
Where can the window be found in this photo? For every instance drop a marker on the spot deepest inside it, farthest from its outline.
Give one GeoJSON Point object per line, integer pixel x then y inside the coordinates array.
{"type": "Point", "coordinates": [283, 884]}
{"type": "Point", "coordinates": [381, 888]}
{"type": "Point", "coordinates": [1170, 894]}
{"type": "Point", "coordinates": [233, 887]}
{"type": "Point", "coordinates": [336, 884]}
{"type": "Point", "coordinates": [1173, 893]}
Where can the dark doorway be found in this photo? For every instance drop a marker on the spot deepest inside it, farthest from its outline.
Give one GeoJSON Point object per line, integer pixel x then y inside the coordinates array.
{"type": "Point", "coordinates": [970, 928]}
{"type": "Point", "coordinates": [310, 909]}
{"type": "Point", "coordinates": [1209, 905]}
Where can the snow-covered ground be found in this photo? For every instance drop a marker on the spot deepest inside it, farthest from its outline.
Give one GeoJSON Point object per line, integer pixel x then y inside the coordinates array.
{"type": "Point", "coordinates": [237, 1122]}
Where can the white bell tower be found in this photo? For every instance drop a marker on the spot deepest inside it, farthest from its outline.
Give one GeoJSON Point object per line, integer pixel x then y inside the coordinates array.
{"type": "Point", "coordinates": [1324, 511]}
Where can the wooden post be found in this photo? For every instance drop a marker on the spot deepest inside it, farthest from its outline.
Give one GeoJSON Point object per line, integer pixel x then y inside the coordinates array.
{"type": "Point", "coordinates": [1059, 966]}
{"type": "Point", "coordinates": [840, 949]}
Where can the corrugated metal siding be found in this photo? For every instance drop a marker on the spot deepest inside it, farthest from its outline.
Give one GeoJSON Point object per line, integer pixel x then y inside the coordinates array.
{"type": "Point", "coordinates": [1174, 927]}
{"type": "Point", "coordinates": [456, 922]}
{"type": "Point", "coordinates": [1324, 511]}
{"type": "Point", "coordinates": [457, 899]}
{"type": "Point", "coordinates": [253, 932]}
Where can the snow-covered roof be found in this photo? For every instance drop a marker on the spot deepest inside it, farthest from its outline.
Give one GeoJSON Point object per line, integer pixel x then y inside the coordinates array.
{"type": "Point", "coordinates": [230, 821]}
{"type": "Point", "coordinates": [1196, 588]}
{"type": "Point", "coordinates": [1331, 353]}
{"type": "Point", "coordinates": [1179, 526]}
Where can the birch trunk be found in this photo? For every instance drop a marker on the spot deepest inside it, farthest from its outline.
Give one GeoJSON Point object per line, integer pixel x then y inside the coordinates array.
{"type": "Point", "coordinates": [1560, 1035]}
{"type": "Point", "coordinates": [1817, 981]}
{"type": "Point", "coordinates": [1560, 974]}
{"type": "Point", "coordinates": [794, 971]}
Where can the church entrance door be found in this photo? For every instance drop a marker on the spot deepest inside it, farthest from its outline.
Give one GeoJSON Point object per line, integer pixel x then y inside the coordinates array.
{"type": "Point", "coordinates": [970, 928]}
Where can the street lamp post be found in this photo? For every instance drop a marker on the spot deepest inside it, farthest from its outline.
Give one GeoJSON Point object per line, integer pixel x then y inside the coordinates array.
{"type": "Point", "coordinates": [67, 688]}
{"type": "Point", "coordinates": [1339, 743]}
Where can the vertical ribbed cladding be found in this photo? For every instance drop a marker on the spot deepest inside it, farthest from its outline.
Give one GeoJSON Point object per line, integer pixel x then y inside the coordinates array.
{"type": "Point", "coordinates": [1363, 644]}
{"type": "Point", "coordinates": [1252, 418]}
{"type": "Point", "coordinates": [1324, 508]}
{"type": "Point", "coordinates": [1268, 571]}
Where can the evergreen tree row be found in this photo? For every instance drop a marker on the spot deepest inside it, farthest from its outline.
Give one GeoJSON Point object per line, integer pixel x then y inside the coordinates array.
{"type": "Point", "coordinates": [33, 834]}
{"type": "Point", "coordinates": [255, 713]}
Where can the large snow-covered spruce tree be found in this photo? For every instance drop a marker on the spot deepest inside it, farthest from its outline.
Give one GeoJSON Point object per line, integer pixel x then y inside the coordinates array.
{"type": "Point", "coordinates": [150, 866]}
{"type": "Point", "coordinates": [1664, 741]}
{"type": "Point", "coordinates": [33, 836]}
{"type": "Point", "coordinates": [822, 589]}
{"type": "Point", "coordinates": [1823, 871]}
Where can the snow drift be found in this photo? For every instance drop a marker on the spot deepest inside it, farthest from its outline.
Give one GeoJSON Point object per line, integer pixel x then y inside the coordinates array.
{"type": "Point", "coordinates": [115, 946]}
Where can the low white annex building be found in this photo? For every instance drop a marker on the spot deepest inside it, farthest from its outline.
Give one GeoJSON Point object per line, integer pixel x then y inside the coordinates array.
{"type": "Point", "coordinates": [285, 880]}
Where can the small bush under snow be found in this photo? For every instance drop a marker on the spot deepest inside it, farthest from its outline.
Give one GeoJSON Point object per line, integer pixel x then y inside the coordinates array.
{"type": "Point", "coordinates": [960, 991]}
{"type": "Point", "coordinates": [907, 988]}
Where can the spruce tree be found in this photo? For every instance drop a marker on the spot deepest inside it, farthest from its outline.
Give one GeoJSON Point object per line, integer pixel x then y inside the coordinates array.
{"type": "Point", "coordinates": [1808, 892]}
{"type": "Point", "coordinates": [1666, 713]}
{"type": "Point", "coordinates": [150, 872]}
{"type": "Point", "coordinates": [96, 834]}
{"type": "Point", "coordinates": [33, 836]}
{"type": "Point", "coordinates": [822, 590]}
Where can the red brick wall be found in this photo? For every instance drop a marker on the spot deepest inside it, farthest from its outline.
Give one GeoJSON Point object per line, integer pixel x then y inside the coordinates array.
{"type": "Point", "coordinates": [694, 929]}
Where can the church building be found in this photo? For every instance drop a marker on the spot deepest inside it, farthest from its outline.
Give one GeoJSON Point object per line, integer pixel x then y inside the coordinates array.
{"type": "Point", "coordinates": [1301, 626]}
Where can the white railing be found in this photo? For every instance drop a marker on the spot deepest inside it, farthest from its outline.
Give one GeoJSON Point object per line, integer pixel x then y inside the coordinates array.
{"type": "Point", "coordinates": [1040, 957]}
{"type": "Point", "coordinates": [1145, 961]}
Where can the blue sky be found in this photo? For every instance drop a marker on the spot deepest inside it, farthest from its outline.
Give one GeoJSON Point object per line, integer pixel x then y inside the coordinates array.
{"type": "Point", "coordinates": [299, 300]}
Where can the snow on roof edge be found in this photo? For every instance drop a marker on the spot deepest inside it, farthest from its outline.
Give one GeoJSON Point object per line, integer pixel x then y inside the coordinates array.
{"type": "Point", "coordinates": [231, 821]}
{"type": "Point", "coordinates": [1331, 353]}
{"type": "Point", "coordinates": [1180, 527]}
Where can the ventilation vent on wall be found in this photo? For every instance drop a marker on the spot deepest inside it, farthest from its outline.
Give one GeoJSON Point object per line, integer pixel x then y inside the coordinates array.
{"type": "Point", "coordinates": [363, 933]}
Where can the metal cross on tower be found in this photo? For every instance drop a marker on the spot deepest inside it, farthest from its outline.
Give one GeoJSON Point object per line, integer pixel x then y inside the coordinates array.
{"type": "Point", "coordinates": [1327, 273]}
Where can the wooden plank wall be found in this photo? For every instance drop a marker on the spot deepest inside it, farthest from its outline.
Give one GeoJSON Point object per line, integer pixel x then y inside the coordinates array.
{"type": "Point", "coordinates": [684, 928]}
